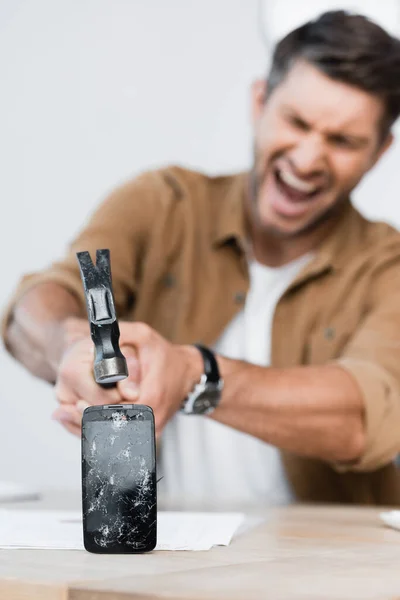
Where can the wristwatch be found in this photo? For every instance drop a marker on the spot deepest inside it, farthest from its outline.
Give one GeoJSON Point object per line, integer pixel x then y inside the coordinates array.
{"type": "Point", "coordinates": [206, 395]}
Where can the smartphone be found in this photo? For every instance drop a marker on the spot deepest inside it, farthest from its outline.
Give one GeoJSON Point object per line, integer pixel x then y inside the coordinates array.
{"type": "Point", "coordinates": [119, 481]}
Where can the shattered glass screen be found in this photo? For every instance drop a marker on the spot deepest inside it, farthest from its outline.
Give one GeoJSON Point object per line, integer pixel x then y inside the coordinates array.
{"type": "Point", "coordinates": [119, 482]}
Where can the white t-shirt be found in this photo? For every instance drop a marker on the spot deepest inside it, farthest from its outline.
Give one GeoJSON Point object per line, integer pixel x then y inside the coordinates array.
{"type": "Point", "coordinates": [203, 460]}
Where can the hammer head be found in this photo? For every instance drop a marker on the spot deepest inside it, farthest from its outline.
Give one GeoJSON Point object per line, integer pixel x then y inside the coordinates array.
{"type": "Point", "coordinates": [109, 363]}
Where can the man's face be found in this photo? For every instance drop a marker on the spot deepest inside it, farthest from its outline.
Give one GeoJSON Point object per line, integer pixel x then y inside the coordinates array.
{"type": "Point", "coordinates": [315, 138]}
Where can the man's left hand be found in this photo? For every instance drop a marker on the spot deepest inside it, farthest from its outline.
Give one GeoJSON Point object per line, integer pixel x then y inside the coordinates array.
{"type": "Point", "coordinates": [168, 372]}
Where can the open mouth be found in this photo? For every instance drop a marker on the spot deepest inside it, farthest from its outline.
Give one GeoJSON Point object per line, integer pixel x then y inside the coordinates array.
{"type": "Point", "coordinates": [295, 189]}
{"type": "Point", "coordinates": [292, 197]}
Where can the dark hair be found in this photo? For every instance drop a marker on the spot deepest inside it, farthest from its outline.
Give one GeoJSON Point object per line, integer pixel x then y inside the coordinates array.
{"type": "Point", "coordinates": [349, 48]}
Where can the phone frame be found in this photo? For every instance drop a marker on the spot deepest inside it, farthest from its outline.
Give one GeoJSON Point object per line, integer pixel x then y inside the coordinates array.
{"type": "Point", "coordinates": [103, 413]}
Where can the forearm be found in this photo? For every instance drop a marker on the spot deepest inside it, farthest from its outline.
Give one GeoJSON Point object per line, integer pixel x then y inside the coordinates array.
{"type": "Point", "coordinates": [312, 411]}
{"type": "Point", "coordinates": [44, 321]}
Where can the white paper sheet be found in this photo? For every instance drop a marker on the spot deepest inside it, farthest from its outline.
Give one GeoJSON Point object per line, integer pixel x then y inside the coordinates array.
{"type": "Point", "coordinates": [63, 530]}
{"type": "Point", "coordinates": [15, 492]}
{"type": "Point", "coordinates": [391, 518]}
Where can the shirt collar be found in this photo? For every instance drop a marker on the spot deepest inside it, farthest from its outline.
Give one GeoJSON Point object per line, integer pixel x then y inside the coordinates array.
{"type": "Point", "coordinates": [339, 245]}
{"type": "Point", "coordinates": [230, 222]}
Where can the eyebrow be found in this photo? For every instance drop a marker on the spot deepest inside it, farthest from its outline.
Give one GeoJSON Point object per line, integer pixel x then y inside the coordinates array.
{"type": "Point", "coordinates": [359, 140]}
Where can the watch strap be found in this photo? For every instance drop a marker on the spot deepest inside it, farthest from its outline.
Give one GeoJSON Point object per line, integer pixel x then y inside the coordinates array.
{"type": "Point", "coordinates": [211, 369]}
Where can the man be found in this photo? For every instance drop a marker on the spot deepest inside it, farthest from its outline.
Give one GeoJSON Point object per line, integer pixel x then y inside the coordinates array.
{"type": "Point", "coordinates": [295, 292]}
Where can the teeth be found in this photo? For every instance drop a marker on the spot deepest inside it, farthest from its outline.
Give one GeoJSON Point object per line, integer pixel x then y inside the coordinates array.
{"type": "Point", "coordinates": [296, 183]}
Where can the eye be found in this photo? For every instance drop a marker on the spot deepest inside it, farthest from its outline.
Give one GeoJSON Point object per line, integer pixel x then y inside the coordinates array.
{"type": "Point", "coordinates": [298, 123]}
{"type": "Point", "coordinates": [341, 141]}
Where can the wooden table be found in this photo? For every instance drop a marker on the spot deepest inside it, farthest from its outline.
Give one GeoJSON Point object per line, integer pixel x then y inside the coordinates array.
{"type": "Point", "coordinates": [301, 552]}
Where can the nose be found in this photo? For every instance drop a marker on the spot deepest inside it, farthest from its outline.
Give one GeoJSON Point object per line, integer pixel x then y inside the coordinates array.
{"type": "Point", "coordinates": [307, 158]}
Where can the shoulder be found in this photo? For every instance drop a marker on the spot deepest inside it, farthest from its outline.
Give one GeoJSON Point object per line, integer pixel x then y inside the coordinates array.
{"type": "Point", "coordinates": [357, 240]}
{"type": "Point", "coordinates": [378, 252]}
{"type": "Point", "coordinates": [378, 240]}
{"type": "Point", "coordinates": [191, 184]}
{"type": "Point", "coordinates": [175, 182]}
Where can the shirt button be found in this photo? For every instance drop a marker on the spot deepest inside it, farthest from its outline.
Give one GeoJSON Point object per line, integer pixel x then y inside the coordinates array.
{"type": "Point", "coordinates": [169, 280]}
{"type": "Point", "coordinates": [329, 333]}
{"type": "Point", "coordinates": [239, 297]}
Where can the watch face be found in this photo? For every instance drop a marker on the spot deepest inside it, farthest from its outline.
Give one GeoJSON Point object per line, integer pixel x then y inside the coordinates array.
{"type": "Point", "coordinates": [206, 401]}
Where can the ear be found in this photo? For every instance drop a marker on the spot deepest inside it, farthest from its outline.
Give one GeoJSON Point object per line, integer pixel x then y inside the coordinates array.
{"type": "Point", "coordinates": [258, 94]}
{"type": "Point", "coordinates": [388, 141]}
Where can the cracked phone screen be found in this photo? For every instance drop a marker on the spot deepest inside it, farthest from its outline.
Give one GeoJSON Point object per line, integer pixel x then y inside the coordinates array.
{"type": "Point", "coordinates": [119, 481]}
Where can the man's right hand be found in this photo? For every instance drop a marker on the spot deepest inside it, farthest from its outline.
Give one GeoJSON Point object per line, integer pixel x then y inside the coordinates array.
{"type": "Point", "coordinates": [76, 387]}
